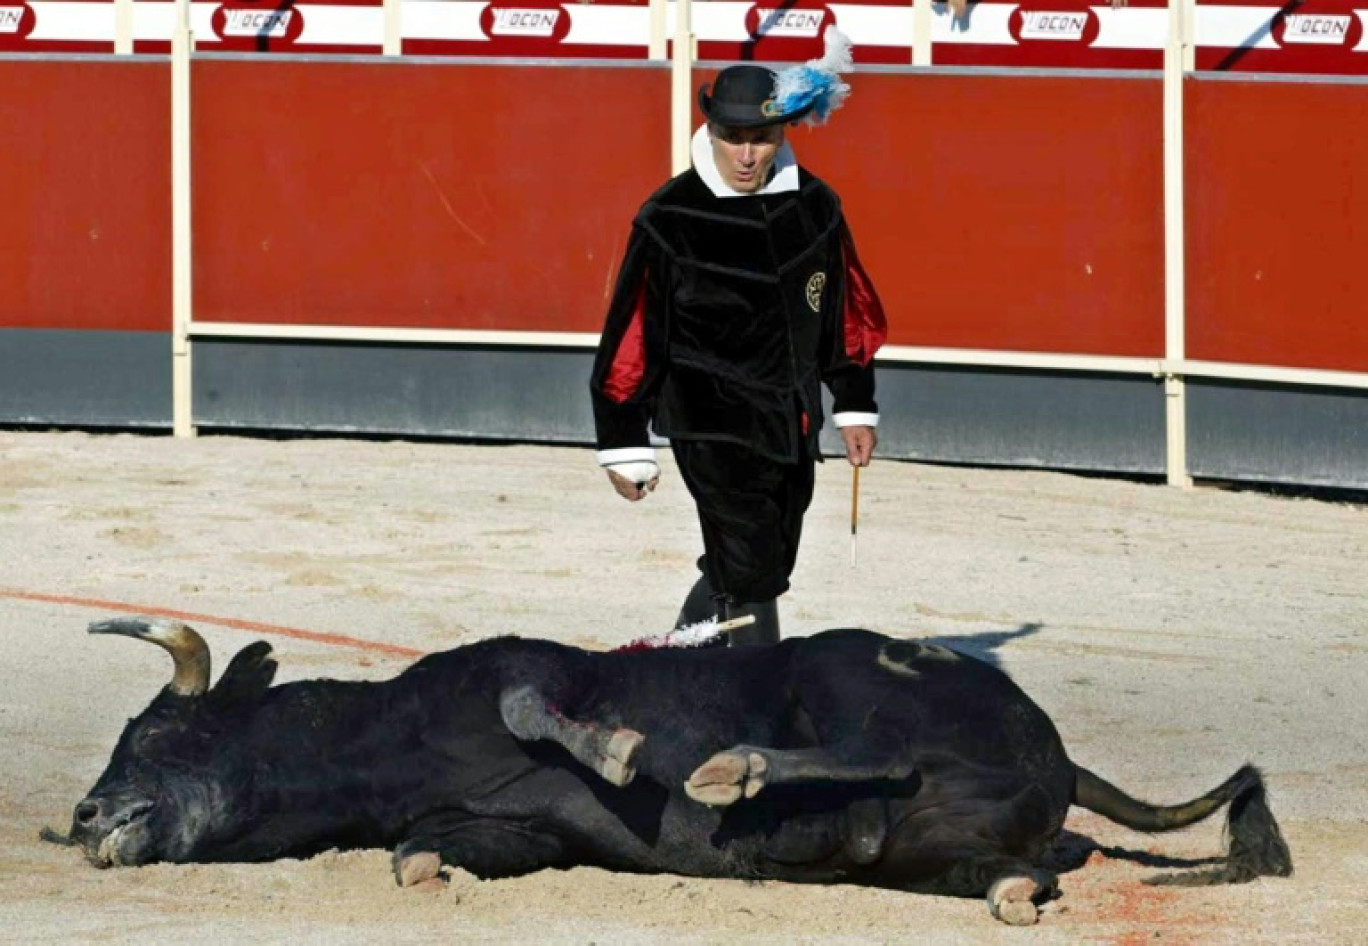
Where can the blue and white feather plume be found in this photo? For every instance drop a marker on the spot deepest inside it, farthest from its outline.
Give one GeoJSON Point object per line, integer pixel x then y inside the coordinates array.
{"type": "Point", "coordinates": [817, 82]}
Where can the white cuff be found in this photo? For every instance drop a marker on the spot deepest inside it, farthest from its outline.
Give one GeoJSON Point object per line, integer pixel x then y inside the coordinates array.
{"type": "Point", "coordinates": [639, 472]}
{"type": "Point", "coordinates": [625, 455]}
{"type": "Point", "coordinates": [855, 419]}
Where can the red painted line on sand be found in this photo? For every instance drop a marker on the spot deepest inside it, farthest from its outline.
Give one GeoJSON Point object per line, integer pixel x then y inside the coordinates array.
{"type": "Point", "coordinates": [318, 637]}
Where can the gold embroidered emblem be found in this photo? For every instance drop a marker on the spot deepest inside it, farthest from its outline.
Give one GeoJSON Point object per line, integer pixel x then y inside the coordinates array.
{"type": "Point", "coordinates": [815, 284]}
{"type": "Point", "coordinates": [769, 108]}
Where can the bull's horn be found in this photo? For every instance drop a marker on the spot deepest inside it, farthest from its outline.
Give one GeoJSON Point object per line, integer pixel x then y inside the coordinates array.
{"type": "Point", "coordinates": [186, 647]}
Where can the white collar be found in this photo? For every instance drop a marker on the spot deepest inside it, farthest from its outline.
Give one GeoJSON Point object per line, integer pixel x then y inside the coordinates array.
{"type": "Point", "coordinates": [784, 178]}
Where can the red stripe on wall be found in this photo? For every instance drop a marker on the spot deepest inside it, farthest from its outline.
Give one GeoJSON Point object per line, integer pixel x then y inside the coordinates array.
{"type": "Point", "coordinates": [461, 196]}
{"type": "Point", "coordinates": [85, 199]}
{"type": "Point", "coordinates": [1009, 213]}
{"type": "Point", "coordinates": [1276, 240]}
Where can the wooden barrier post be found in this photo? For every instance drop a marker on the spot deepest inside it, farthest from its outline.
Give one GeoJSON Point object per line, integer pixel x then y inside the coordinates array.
{"type": "Point", "coordinates": [921, 32]}
{"type": "Point", "coordinates": [656, 45]}
{"type": "Point", "coordinates": [681, 87]}
{"type": "Point", "coordinates": [123, 27]}
{"type": "Point", "coordinates": [1178, 61]}
{"type": "Point", "coordinates": [394, 31]}
{"type": "Point", "coordinates": [182, 43]}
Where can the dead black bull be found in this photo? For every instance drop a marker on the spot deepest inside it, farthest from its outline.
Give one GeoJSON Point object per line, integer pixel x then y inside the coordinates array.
{"type": "Point", "coordinates": [843, 757]}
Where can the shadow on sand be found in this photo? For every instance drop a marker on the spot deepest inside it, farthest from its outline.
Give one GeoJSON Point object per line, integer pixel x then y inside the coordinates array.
{"type": "Point", "coordinates": [1071, 850]}
{"type": "Point", "coordinates": [986, 645]}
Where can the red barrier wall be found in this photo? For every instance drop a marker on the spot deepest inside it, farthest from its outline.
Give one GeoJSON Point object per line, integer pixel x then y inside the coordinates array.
{"type": "Point", "coordinates": [1276, 234]}
{"type": "Point", "coordinates": [996, 212]}
{"type": "Point", "coordinates": [85, 198]}
{"type": "Point", "coordinates": [388, 194]}
{"type": "Point", "coordinates": [1005, 213]}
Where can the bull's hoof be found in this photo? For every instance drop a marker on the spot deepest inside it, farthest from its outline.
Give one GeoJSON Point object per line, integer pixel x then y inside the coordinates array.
{"type": "Point", "coordinates": [1018, 913]}
{"type": "Point", "coordinates": [724, 778]}
{"type": "Point", "coordinates": [618, 765]}
{"type": "Point", "coordinates": [1010, 900]}
{"type": "Point", "coordinates": [419, 869]}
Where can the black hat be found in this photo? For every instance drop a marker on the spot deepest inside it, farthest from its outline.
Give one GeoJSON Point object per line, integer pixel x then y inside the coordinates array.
{"type": "Point", "coordinates": [743, 97]}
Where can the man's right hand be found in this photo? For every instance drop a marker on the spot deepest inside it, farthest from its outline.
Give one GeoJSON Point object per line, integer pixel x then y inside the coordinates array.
{"type": "Point", "coordinates": [630, 489]}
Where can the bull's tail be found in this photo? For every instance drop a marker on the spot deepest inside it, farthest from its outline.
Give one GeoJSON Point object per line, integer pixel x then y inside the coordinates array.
{"type": "Point", "coordinates": [1255, 844]}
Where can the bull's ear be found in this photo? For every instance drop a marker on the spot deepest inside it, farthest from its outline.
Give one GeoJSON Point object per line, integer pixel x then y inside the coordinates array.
{"type": "Point", "coordinates": [249, 674]}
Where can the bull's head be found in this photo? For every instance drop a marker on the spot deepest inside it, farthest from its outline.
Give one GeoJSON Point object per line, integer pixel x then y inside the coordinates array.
{"type": "Point", "coordinates": [165, 794]}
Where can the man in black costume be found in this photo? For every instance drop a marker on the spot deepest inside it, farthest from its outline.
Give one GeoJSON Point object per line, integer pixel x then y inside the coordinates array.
{"type": "Point", "coordinates": [739, 293]}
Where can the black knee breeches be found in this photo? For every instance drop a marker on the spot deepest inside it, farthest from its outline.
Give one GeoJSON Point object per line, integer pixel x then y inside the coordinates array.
{"type": "Point", "coordinates": [751, 511]}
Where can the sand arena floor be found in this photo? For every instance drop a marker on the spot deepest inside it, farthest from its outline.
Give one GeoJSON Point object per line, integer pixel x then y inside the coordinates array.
{"type": "Point", "coordinates": [1173, 635]}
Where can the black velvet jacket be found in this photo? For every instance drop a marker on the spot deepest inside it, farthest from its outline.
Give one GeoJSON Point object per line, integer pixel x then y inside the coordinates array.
{"type": "Point", "coordinates": [728, 313]}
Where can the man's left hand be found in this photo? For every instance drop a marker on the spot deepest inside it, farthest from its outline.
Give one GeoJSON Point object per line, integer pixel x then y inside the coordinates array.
{"type": "Point", "coordinates": [859, 444]}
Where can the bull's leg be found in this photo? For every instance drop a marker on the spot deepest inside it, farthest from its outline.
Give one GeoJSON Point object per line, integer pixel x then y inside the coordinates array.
{"type": "Point", "coordinates": [745, 770]}
{"type": "Point", "coordinates": [487, 847]}
{"type": "Point", "coordinates": [1012, 886]}
{"type": "Point", "coordinates": [609, 752]}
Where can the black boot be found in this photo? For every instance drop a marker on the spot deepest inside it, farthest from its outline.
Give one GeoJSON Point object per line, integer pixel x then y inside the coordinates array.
{"type": "Point", "coordinates": [700, 605]}
{"type": "Point", "coordinates": [765, 630]}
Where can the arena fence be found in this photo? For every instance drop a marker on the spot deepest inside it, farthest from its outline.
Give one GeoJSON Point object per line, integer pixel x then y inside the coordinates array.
{"type": "Point", "coordinates": [1116, 239]}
